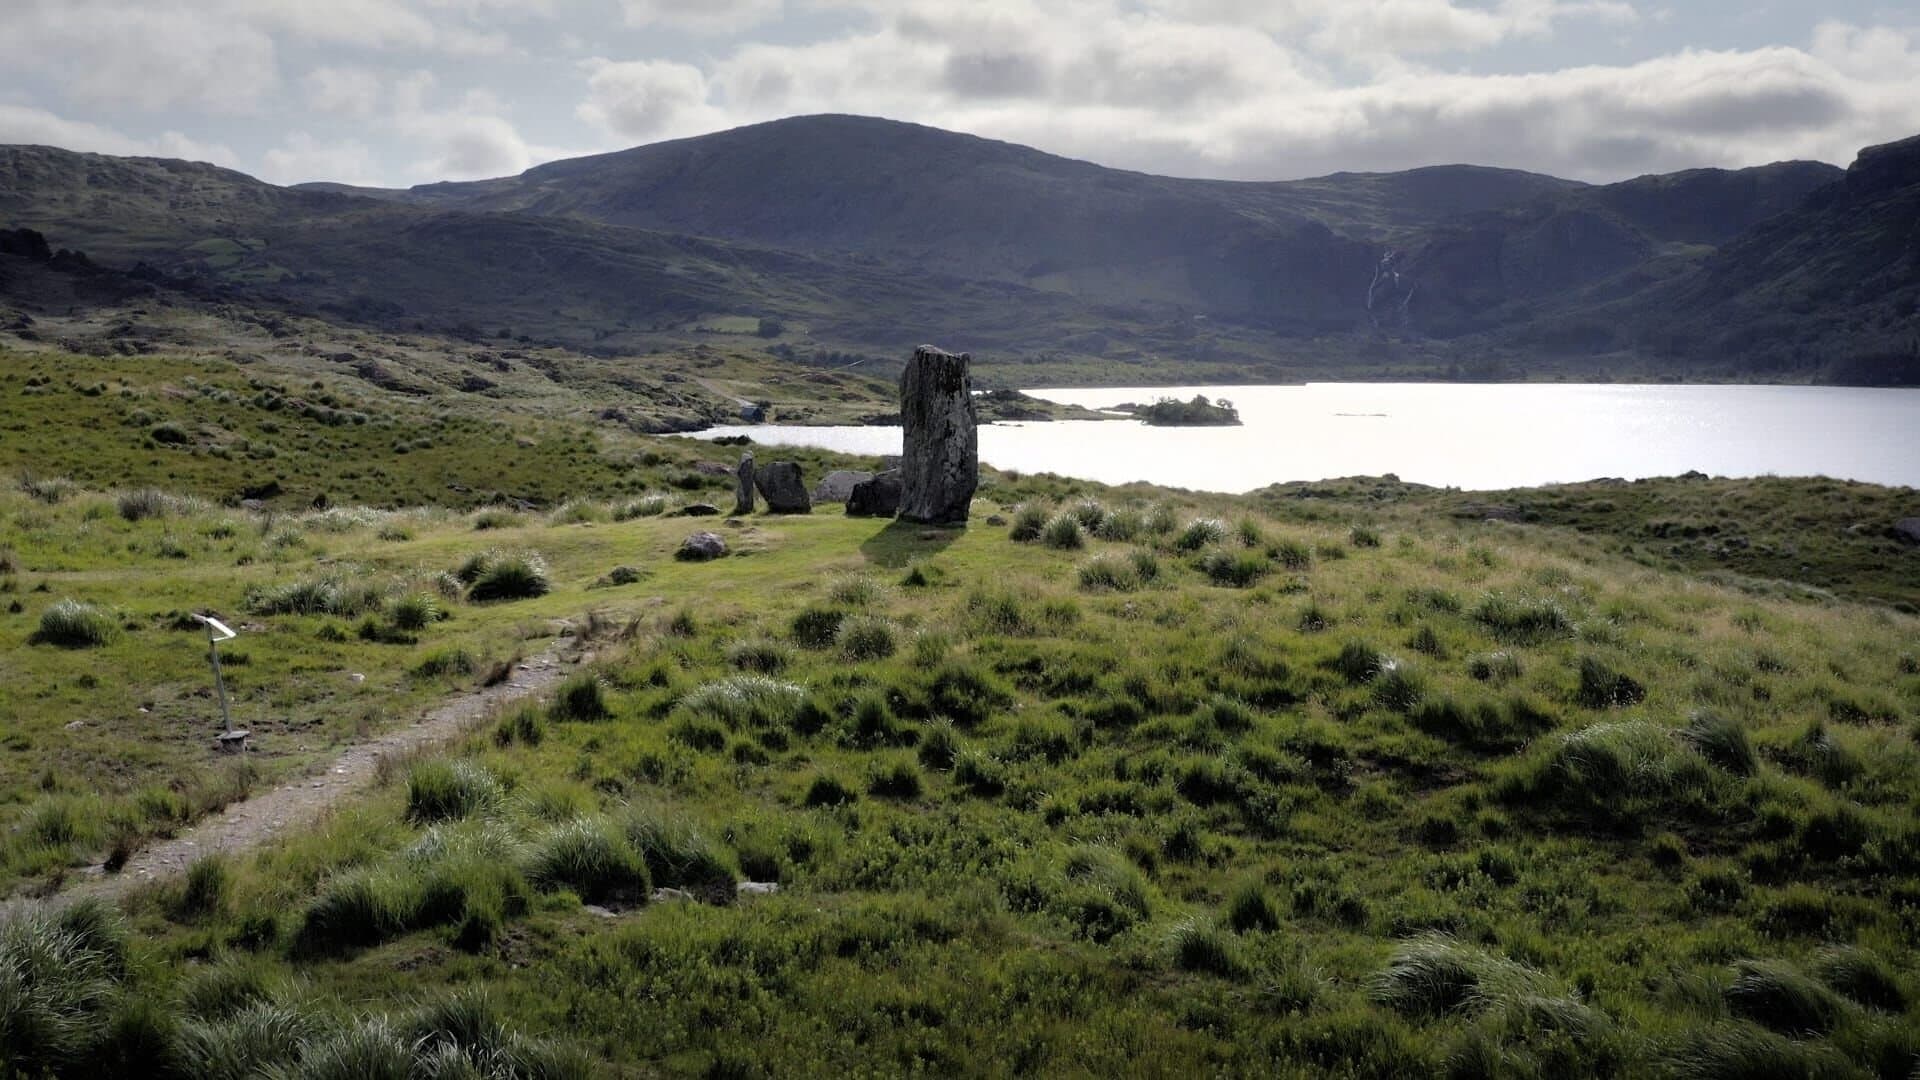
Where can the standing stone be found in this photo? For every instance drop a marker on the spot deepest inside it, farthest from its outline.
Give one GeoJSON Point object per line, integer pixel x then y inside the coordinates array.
{"type": "Point", "coordinates": [877, 497]}
{"type": "Point", "coordinates": [779, 484]}
{"type": "Point", "coordinates": [743, 485]}
{"type": "Point", "coordinates": [940, 465]}
{"type": "Point", "coordinates": [837, 485]}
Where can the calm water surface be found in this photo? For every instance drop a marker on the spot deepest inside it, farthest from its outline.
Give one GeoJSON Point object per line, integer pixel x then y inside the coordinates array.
{"type": "Point", "coordinates": [1476, 437]}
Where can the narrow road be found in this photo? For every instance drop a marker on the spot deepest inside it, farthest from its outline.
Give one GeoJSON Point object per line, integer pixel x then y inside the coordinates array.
{"type": "Point", "coordinates": [303, 800]}
{"type": "Point", "coordinates": [717, 392]}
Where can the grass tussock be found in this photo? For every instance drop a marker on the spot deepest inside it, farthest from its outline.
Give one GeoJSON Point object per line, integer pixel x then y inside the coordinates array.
{"type": "Point", "coordinates": [498, 576]}
{"type": "Point", "coordinates": [1064, 532]}
{"type": "Point", "coordinates": [588, 857]}
{"type": "Point", "coordinates": [443, 791]}
{"type": "Point", "coordinates": [71, 624]}
{"type": "Point", "coordinates": [340, 595]}
{"type": "Point", "coordinates": [745, 701]}
{"type": "Point", "coordinates": [582, 698]}
{"type": "Point", "coordinates": [1522, 619]}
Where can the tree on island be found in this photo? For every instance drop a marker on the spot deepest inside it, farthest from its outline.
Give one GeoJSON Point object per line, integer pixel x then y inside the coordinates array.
{"type": "Point", "coordinates": [1172, 412]}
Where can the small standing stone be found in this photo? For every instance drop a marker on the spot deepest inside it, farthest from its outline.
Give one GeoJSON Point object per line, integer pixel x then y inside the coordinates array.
{"type": "Point", "coordinates": [878, 497]}
{"type": "Point", "coordinates": [743, 485]}
{"type": "Point", "coordinates": [940, 466]}
{"type": "Point", "coordinates": [837, 486]}
{"type": "Point", "coordinates": [779, 484]}
{"type": "Point", "coordinates": [700, 547]}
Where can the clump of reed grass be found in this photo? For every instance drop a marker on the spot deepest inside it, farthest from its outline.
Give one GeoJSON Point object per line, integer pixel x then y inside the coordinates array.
{"type": "Point", "coordinates": [335, 594]}
{"type": "Point", "coordinates": [144, 503]}
{"type": "Point", "coordinates": [1028, 522]}
{"type": "Point", "coordinates": [581, 698]}
{"type": "Point", "coordinates": [442, 790]}
{"type": "Point", "coordinates": [1108, 572]}
{"type": "Point", "coordinates": [586, 856]}
{"type": "Point", "coordinates": [495, 576]}
{"type": "Point", "coordinates": [1063, 532]}
{"type": "Point", "coordinates": [1199, 533]}
{"type": "Point", "coordinates": [71, 624]}
{"type": "Point", "coordinates": [745, 701]}
{"type": "Point", "coordinates": [1521, 619]}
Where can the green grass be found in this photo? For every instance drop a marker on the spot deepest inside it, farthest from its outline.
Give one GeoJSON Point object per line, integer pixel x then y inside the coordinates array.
{"type": "Point", "coordinates": [1058, 824]}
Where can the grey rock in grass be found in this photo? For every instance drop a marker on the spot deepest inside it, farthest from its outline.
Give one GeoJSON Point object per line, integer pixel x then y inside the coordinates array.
{"type": "Point", "coordinates": [700, 547]}
{"type": "Point", "coordinates": [743, 485]}
{"type": "Point", "coordinates": [878, 497]}
{"type": "Point", "coordinates": [940, 465]}
{"type": "Point", "coordinates": [1907, 529]}
{"type": "Point", "coordinates": [779, 484]}
{"type": "Point", "coordinates": [837, 486]}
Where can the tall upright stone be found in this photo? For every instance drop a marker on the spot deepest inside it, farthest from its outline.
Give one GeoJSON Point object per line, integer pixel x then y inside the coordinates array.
{"type": "Point", "coordinates": [940, 462]}
{"type": "Point", "coordinates": [743, 485]}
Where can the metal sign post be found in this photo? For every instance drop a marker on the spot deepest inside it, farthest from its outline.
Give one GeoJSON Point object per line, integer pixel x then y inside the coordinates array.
{"type": "Point", "coordinates": [218, 632]}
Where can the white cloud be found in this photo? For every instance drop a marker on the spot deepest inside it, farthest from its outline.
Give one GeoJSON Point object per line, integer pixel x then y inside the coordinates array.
{"type": "Point", "coordinates": [1235, 88]}
{"type": "Point", "coordinates": [701, 16]}
{"type": "Point", "coordinates": [302, 158]}
{"type": "Point", "coordinates": [645, 99]}
{"type": "Point", "coordinates": [1196, 95]}
{"type": "Point", "coordinates": [25, 124]}
{"type": "Point", "coordinates": [151, 57]}
{"type": "Point", "coordinates": [353, 91]}
{"type": "Point", "coordinates": [367, 23]}
{"type": "Point", "coordinates": [469, 140]}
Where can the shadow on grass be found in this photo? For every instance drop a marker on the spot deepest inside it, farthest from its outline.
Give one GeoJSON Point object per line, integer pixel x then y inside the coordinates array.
{"type": "Point", "coordinates": [901, 542]}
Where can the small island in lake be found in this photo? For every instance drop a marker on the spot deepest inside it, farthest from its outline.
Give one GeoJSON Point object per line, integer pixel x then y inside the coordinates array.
{"type": "Point", "coordinates": [1199, 412]}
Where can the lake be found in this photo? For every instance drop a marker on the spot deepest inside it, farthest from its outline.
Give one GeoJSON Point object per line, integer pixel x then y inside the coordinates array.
{"type": "Point", "coordinates": [1476, 436]}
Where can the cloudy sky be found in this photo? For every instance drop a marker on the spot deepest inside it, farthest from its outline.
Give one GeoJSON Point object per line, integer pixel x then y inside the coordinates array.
{"type": "Point", "coordinates": [397, 92]}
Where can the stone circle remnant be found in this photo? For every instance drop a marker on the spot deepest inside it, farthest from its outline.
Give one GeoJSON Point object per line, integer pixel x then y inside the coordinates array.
{"type": "Point", "coordinates": [779, 484]}
{"type": "Point", "coordinates": [743, 485]}
{"type": "Point", "coordinates": [940, 463]}
{"type": "Point", "coordinates": [878, 496]}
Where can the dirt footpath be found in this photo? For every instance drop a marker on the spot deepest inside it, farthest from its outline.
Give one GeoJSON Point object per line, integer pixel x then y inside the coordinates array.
{"type": "Point", "coordinates": [303, 800]}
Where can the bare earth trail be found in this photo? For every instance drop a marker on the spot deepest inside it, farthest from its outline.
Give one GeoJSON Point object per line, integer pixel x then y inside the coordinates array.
{"type": "Point", "coordinates": [303, 800]}
{"type": "Point", "coordinates": [709, 386]}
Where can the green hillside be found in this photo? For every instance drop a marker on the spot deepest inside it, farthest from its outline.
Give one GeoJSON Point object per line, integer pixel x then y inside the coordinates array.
{"type": "Point", "coordinates": [836, 235]}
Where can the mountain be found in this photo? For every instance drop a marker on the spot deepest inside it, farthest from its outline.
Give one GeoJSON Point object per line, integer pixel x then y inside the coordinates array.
{"type": "Point", "coordinates": [849, 233]}
{"type": "Point", "coordinates": [1832, 284]}
{"type": "Point", "coordinates": [1501, 268]}
{"type": "Point", "coordinates": [1283, 256]}
{"type": "Point", "coordinates": [389, 263]}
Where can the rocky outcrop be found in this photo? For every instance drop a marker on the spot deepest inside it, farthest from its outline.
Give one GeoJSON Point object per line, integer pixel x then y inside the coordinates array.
{"type": "Point", "coordinates": [700, 547]}
{"type": "Point", "coordinates": [1907, 529]}
{"type": "Point", "coordinates": [779, 484]}
{"type": "Point", "coordinates": [877, 497]}
{"type": "Point", "coordinates": [26, 243]}
{"type": "Point", "coordinates": [837, 486]}
{"type": "Point", "coordinates": [940, 463]}
{"type": "Point", "coordinates": [743, 485]}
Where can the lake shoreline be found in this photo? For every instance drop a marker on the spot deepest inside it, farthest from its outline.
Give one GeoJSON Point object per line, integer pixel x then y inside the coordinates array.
{"type": "Point", "coordinates": [1478, 437]}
